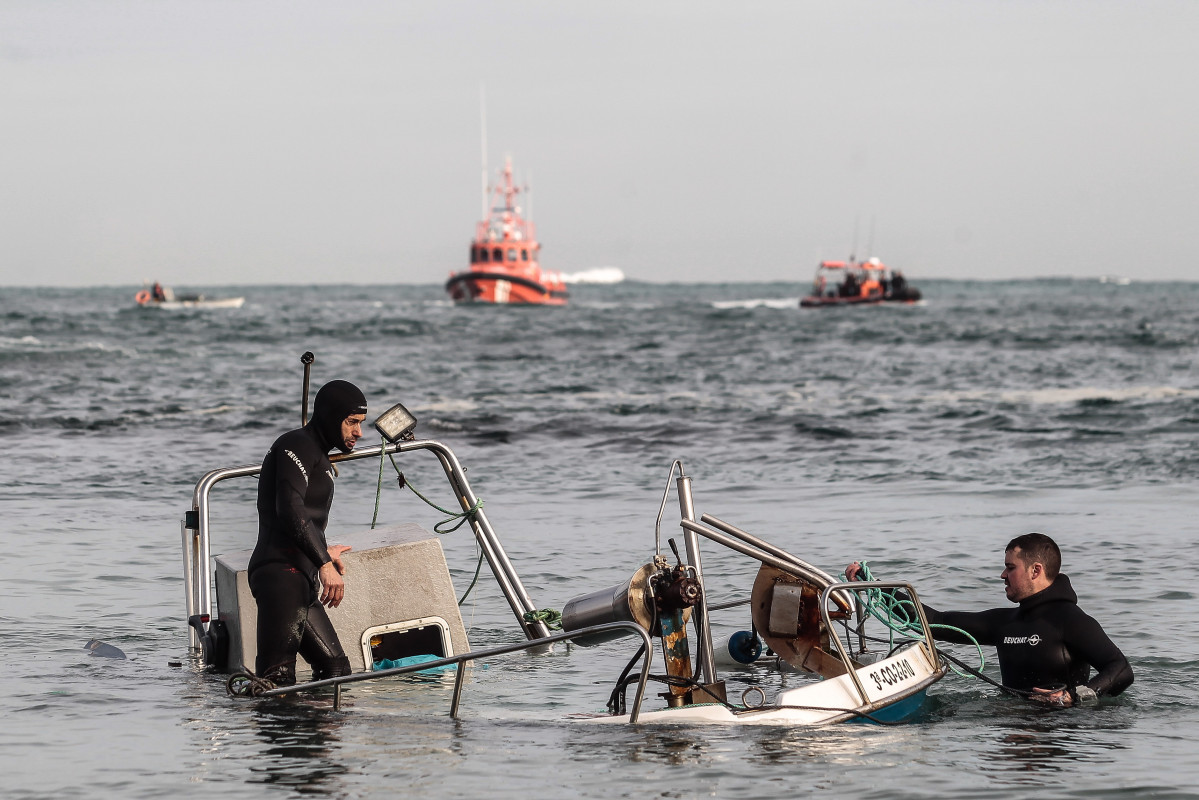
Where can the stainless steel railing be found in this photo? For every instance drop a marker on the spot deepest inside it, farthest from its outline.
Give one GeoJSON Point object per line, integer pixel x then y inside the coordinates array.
{"type": "Point", "coordinates": [843, 652]}
{"type": "Point", "coordinates": [197, 550]}
{"type": "Point", "coordinates": [458, 660]}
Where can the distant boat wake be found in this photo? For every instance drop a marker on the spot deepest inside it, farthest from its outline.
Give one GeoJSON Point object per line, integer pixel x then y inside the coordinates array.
{"type": "Point", "coordinates": [597, 275]}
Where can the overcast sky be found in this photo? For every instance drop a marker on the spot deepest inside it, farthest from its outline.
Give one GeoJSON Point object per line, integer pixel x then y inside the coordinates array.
{"type": "Point", "coordinates": [294, 142]}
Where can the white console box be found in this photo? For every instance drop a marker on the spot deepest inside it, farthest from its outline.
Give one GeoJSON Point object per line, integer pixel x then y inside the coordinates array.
{"type": "Point", "coordinates": [394, 576]}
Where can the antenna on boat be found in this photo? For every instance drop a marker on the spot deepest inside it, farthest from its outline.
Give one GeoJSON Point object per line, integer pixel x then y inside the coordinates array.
{"type": "Point", "coordinates": [870, 241]}
{"type": "Point", "coordinates": [483, 124]}
{"type": "Point", "coordinates": [306, 360]}
{"type": "Point", "coordinates": [853, 251]}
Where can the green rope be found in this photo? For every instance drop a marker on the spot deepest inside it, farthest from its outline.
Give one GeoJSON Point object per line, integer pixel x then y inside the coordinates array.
{"type": "Point", "coordinates": [900, 616]}
{"type": "Point", "coordinates": [461, 517]}
{"type": "Point", "coordinates": [453, 515]}
{"type": "Point", "coordinates": [379, 487]}
{"type": "Point", "coordinates": [473, 581]}
{"type": "Point", "coordinates": [551, 618]}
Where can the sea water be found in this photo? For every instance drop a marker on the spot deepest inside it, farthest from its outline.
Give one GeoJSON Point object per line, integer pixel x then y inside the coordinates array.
{"type": "Point", "coordinates": [921, 438]}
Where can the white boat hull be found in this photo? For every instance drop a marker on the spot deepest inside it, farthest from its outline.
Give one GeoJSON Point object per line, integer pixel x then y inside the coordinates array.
{"type": "Point", "coordinates": [894, 689]}
{"type": "Point", "coordinates": [227, 302]}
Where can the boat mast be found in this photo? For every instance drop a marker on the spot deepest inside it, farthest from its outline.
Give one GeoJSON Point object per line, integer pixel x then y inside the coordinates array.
{"type": "Point", "coordinates": [528, 209]}
{"type": "Point", "coordinates": [483, 148]}
{"type": "Point", "coordinates": [853, 251]}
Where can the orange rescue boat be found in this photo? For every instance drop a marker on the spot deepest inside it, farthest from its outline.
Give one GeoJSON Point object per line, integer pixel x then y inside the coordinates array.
{"type": "Point", "coordinates": [505, 257]}
{"type": "Point", "coordinates": [843, 283]}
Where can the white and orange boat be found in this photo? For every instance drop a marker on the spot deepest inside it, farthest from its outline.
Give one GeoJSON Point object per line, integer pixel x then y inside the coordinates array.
{"type": "Point", "coordinates": [505, 256]}
{"type": "Point", "coordinates": [841, 283]}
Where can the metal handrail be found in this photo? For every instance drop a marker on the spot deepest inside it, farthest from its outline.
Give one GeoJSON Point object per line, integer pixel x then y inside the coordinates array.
{"type": "Point", "coordinates": [859, 586]}
{"type": "Point", "coordinates": [799, 570]}
{"type": "Point", "coordinates": [199, 584]}
{"type": "Point", "coordinates": [810, 571]}
{"type": "Point", "coordinates": [606, 627]}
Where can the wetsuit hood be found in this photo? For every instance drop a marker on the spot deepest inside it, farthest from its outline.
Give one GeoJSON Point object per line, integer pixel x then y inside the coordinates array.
{"type": "Point", "coordinates": [1060, 589]}
{"type": "Point", "coordinates": [335, 401]}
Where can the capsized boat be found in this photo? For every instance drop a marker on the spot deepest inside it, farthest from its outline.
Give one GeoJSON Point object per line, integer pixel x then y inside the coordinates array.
{"type": "Point", "coordinates": [401, 615]}
{"type": "Point", "coordinates": [841, 283]}
{"type": "Point", "coordinates": [158, 296]}
{"type": "Point", "coordinates": [505, 256]}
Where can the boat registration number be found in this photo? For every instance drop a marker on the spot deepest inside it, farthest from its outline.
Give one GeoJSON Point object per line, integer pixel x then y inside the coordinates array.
{"type": "Point", "coordinates": [894, 673]}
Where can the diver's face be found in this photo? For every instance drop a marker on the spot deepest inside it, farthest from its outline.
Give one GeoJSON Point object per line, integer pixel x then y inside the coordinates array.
{"type": "Point", "coordinates": [1018, 576]}
{"type": "Point", "coordinates": [351, 430]}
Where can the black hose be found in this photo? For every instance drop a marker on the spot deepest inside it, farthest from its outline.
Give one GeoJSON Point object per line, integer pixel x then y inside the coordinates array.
{"type": "Point", "coordinates": [617, 700]}
{"type": "Point", "coordinates": [1014, 692]}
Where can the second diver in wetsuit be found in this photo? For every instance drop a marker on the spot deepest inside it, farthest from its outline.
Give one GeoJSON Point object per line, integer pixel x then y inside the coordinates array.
{"type": "Point", "coordinates": [293, 572]}
{"type": "Point", "coordinates": [1047, 640]}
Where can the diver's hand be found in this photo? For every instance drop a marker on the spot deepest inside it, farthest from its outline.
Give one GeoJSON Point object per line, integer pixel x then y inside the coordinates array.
{"type": "Point", "coordinates": [335, 553]}
{"type": "Point", "coordinates": [333, 586]}
{"type": "Point", "coordinates": [1052, 697]}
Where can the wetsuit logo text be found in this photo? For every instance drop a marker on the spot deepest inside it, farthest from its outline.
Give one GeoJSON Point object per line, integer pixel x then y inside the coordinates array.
{"type": "Point", "coordinates": [1033, 640]}
{"type": "Point", "coordinates": [296, 459]}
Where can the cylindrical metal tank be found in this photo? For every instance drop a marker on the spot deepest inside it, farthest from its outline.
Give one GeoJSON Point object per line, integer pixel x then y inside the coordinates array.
{"type": "Point", "coordinates": [626, 602]}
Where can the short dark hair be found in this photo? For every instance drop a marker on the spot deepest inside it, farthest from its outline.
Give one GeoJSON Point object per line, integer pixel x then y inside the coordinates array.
{"type": "Point", "coordinates": [1036, 547]}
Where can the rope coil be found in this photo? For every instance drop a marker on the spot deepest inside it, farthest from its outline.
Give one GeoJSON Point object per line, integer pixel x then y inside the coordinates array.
{"type": "Point", "coordinates": [551, 617]}
{"type": "Point", "coordinates": [247, 684]}
{"type": "Point", "coordinates": [898, 614]}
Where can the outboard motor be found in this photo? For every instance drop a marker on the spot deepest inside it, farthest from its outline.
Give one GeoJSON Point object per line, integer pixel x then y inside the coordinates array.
{"type": "Point", "coordinates": [659, 598]}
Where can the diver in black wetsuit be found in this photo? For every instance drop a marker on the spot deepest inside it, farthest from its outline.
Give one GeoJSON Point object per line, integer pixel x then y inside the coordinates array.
{"type": "Point", "coordinates": [1047, 640]}
{"type": "Point", "coordinates": [293, 571]}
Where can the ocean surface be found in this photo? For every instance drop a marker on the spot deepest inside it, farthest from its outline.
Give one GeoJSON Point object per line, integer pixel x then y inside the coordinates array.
{"type": "Point", "coordinates": [921, 438]}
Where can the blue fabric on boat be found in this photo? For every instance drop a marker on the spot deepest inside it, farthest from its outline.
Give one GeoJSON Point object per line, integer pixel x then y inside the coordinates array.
{"type": "Point", "coordinates": [407, 661]}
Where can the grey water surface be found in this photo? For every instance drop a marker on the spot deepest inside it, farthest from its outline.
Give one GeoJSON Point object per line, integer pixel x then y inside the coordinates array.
{"type": "Point", "coordinates": [921, 438]}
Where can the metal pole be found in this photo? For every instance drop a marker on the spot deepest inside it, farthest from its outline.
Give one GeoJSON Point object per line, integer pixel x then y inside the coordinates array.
{"type": "Point", "coordinates": [459, 660]}
{"type": "Point", "coordinates": [200, 504]}
{"type": "Point", "coordinates": [814, 574]}
{"type": "Point", "coordinates": [699, 614]}
{"type": "Point", "coordinates": [762, 544]}
{"type": "Point", "coordinates": [766, 558]}
{"type": "Point", "coordinates": [306, 360]}
{"type": "Point", "coordinates": [458, 673]}
{"type": "Point", "coordinates": [497, 559]}
{"type": "Point", "coordinates": [193, 639]}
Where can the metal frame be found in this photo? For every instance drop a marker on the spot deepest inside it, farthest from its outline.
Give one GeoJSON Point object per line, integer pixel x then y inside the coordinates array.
{"type": "Point", "coordinates": [786, 563]}
{"type": "Point", "coordinates": [841, 593]}
{"type": "Point", "coordinates": [859, 586]}
{"type": "Point", "coordinates": [337, 683]}
{"type": "Point", "coordinates": [197, 553]}
{"type": "Point", "coordinates": [704, 657]}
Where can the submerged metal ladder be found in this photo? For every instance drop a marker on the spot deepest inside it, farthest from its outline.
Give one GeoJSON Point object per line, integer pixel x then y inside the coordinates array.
{"type": "Point", "coordinates": [197, 552]}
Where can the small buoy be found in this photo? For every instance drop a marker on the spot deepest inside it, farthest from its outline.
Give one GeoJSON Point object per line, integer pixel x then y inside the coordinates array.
{"type": "Point", "coordinates": [174, 663]}
{"type": "Point", "coordinates": [142, 297]}
{"type": "Point", "coordinates": [103, 649]}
